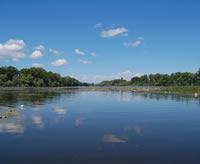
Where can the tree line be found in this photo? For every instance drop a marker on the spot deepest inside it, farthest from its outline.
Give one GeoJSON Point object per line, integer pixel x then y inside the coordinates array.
{"type": "Point", "coordinates": [174, 79]}
{"type": "Point", "coordinates": [39, 77]}
{"type": "Point", "coordinates": [34, 77]}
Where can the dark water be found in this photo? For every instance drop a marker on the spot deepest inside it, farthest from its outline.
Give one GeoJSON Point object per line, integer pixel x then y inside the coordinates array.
{"type": "Point", "coordinates": [99, 127]}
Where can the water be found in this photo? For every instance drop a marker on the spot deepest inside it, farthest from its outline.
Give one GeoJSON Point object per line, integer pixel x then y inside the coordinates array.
{"type": "Point", "coordinates": [99, 127]}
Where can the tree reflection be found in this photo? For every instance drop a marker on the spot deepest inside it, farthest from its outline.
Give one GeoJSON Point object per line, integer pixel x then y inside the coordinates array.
{"type": "Point", "coordinates": [31, 97]}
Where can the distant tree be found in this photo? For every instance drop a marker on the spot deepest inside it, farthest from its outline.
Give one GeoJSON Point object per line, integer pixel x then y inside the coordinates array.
{"type": "Point", "coordinates": [3, 79]}
{"type": "Point", "coordinates": [33, 77]}
{"type": "Point", "coordinates": [198, 74]}
{"type": "Point", "coordinates": [198, 77]}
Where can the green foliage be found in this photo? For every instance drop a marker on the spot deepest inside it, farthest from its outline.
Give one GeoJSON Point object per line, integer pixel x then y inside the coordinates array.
{"type": "Point", "coordinates": [38, 77]}
{"type": "Point", "coordinates": [175, 79]}
{"type": "Point", "coordinates": [33, 77]}
{"type": "Point", "coordinates": [117, 82]}
{"type": "Point", "coordinates": [198, 74]}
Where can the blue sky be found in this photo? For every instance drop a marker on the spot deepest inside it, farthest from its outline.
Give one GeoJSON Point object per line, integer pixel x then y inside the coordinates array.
{"type": "Point", "coordinates": [97, 40]}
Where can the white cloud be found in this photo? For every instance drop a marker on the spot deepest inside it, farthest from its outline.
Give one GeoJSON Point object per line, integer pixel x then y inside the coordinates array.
{"type": "Point", "coordinates": [79, 52]}
{"type": "Point", "coordinates": [136, 43]}
{"type": "Point", "coordinates": [114, 32]}
{"type": "Point", "coordinates": [95, 78]}
{"type": "Point", "coordinates": [37, 65]}
{"type": "Point", "coordinates": [127, 75]}
{"type": "Point", "coordinates": [85, 62]}
{"type": "Point", "coordinates": [36, 54]}
{"type": "Point", "coordinates": [138, 74]}
{"type": "Point", "coordinates": [93, 54]}
{"type": "Point", "coordinates": [56, 52]}
{"type": "Point", "coordinates": [13, 49]}
{"type": "Point", "coordinates": [59, 62]}
{"type": "Point", "coordinates": [40, 48]}
{"type": "Point", "coordinates": [98, 25]}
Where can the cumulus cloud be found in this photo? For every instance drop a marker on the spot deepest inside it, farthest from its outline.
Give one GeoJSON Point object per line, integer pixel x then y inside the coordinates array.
{"type": "Point", "coordinates": [36, 54]}
{"type": "Point", "coordinates": [93, 54]}
{"type": "Point", "coordinates": [114, 32]}
{"type": "Point", "coordinates": [127, 75]}
{"type": "Point", "coordinates": [95, 78]}
{"type": "Point", "coordinates": [12, 49]}
{"type": "Point", "coordinates": [59, 62]}
{"type": "Point", "coordinates": [85, 62]}
{"type": "Point", "coordinates": [40, 48]}
{"type": "Point", "coordinates": [98, 25]}
{"type": "Point", "coordinates": [37, 65]}
{"type": "Point", "coordinates": [56, 52]}
{"type": "Point", "coordinates": [79, 52]}
{"type": "Point", "coordinates": [136, 43]}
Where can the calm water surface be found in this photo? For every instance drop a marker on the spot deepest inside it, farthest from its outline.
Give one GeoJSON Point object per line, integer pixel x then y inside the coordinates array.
{"type": "Point", "coordinates": [99, 127]}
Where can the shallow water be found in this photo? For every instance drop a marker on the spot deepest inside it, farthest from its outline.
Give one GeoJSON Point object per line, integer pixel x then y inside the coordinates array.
{"type": "Point", "coordinates": [99, 127]}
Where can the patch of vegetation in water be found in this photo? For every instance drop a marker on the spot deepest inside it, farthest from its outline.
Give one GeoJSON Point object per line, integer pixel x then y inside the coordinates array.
{"type": "Point", "coordinates": [184, 90]}
{"type": "Point", "coordinates": [7, 114]}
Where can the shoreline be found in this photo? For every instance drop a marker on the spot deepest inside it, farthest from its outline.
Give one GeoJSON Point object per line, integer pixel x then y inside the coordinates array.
{"type": "Point", "coordinates": [193, 91]}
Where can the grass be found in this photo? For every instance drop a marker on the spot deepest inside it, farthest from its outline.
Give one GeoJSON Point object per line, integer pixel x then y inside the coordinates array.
{"type": "Point", "coordinates": [185, 90]}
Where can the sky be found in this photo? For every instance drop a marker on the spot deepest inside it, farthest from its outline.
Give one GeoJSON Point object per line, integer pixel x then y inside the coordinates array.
{"type": "Point", "coordinates": [101, 40]}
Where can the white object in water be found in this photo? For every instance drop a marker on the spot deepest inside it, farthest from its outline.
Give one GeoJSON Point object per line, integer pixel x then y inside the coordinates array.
{"type": "Point", "coordinates": [22, 106]}
{"type": "Point", "coordinates": [196, 95]}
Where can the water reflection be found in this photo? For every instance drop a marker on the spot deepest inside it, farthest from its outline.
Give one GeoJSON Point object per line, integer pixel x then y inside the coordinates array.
{"type": "Point", "coordinates": [77, 126]}
{"type": "Point", "coordinates": [12, 126]}
{"type": "Point", "coordinates": [33, 98]}
{"type": "Point", "coordinates": [79, 121]}
{"type": "Point", "coordinates": [135, 129]}
{"type": "Point", "coordinates": [60, 111]}
{"type": "Point", "coordinates": [38, 121]}
{"type": "Point", "coordinates": [172, 97]}
{"type": "Point", "coordinates": [111, 138]}
{"type": "Point", "coordinates": [130, 96]}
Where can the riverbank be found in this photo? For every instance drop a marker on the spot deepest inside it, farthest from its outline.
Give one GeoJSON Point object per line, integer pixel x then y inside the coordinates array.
{"type": "Point", "coordinates": [179, 90]}
{"type": "Point", "coordinates": [186, 91]}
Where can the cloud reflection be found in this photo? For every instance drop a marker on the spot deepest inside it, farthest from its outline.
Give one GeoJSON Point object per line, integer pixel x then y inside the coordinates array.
{"type": "Point", "coordinates": [38, 121]}
{"type": "Point", "coordinates": [136, 129]}
{"type": "Point", "coordinates": [60, 111]}
{"type": "Point", "coordinates": [111, 138]}
{"type": "Point", "coordinates": [78, 122]}
{"type": "Point", "coordinates": [11, 127]}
